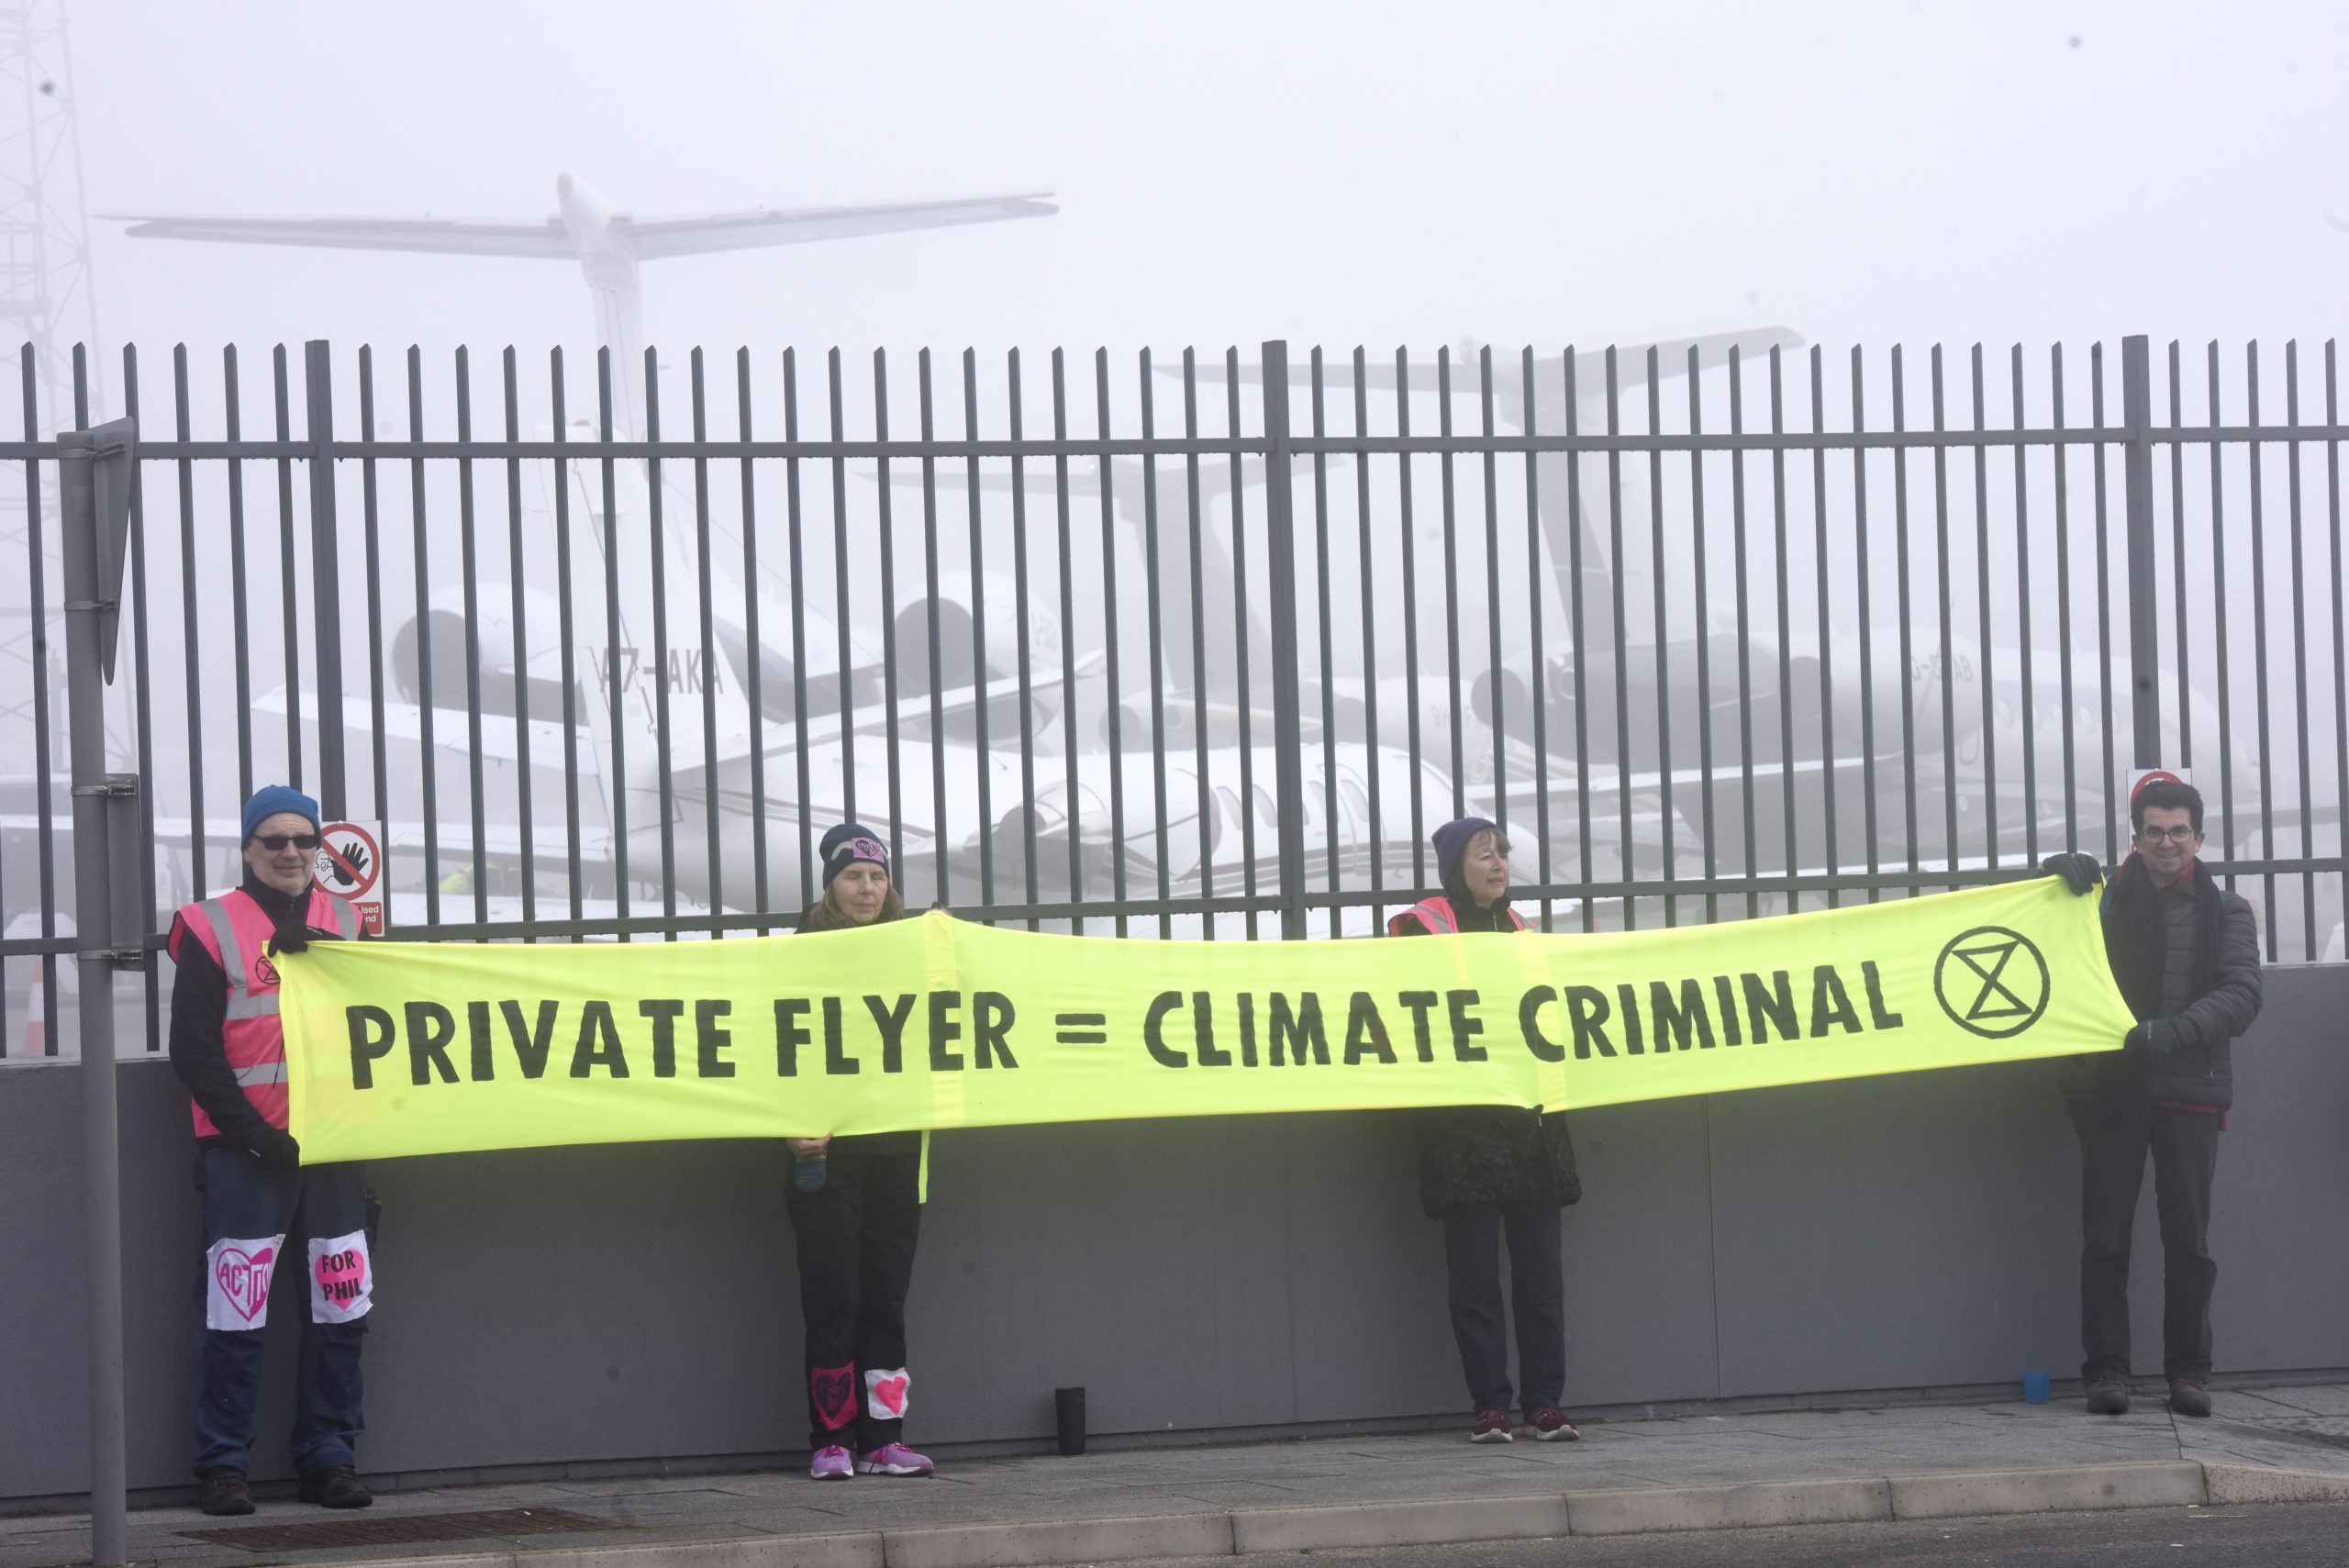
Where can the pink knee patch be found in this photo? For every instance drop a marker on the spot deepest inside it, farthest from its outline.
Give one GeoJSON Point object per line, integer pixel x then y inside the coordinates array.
{"type": "Point", "coordinates": [885, 1394]}
{"type": "Point", "coordinates": [237, 1271]}
{"type": "Point", "coordinates": [833, 1390]}
{"type": "Point", "coordinates": [342, 1278]}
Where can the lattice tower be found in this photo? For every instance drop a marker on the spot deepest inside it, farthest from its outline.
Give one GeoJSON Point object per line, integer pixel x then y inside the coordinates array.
{"type": "Point", "coordinates": [45, 300]}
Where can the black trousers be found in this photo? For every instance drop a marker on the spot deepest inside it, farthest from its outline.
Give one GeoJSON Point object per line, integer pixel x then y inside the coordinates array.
{"type": "Point", "coordinates": [2114, 1143]}
{"type": "Point", "coordinates": [1471, 1256]}
{"type": "Point", "coordinates": [856, 1235]}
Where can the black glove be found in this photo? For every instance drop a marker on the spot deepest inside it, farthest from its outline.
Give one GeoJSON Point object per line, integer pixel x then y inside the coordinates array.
{"type": "Point", "coordinates": [2155, 1037]}
{"type": "Point", "coordinates": [274, 1146]}
{"type": "Point", "coordinates": [290, 938]}
{"type": "Point", "coordinates": [2079, 872]}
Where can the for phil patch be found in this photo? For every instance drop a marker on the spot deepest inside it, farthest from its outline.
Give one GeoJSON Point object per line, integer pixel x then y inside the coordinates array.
{"type": "Point", "coordinates": [342, 1278]}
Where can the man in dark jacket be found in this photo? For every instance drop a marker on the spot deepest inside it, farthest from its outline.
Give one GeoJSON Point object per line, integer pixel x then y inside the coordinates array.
{"type": "Point", "coordinates": [2185, 955]}
{"type": "Point", "coordinates": [1494, 1171]}
{"type": "Point", "coordinates": [261, 1202]}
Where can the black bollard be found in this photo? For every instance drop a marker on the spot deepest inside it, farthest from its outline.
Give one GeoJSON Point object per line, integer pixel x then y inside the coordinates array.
{"type": "Point", "coordinates": [1068, 1412]}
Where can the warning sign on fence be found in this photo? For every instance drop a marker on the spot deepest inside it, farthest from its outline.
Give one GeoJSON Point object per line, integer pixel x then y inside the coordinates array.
{"type": "Point", "coordinates": [351, 867]}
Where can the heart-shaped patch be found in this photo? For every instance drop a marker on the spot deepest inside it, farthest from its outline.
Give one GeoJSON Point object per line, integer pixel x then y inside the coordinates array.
{"type": "Point", "coordinates": [243, 1279]}
{"type": "Point", "coordinates": [343, 1276]}
{"type": "Point", "coordinates": [833, 1389]}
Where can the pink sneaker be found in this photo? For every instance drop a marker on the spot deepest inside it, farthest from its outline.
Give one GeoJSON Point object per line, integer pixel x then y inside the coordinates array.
{"type": "Point", "coordinates": [1550, 1426]}
{"type": "Point", "coordinates": [829, 1465]}
{"type": "Point", "coordinates": [893, 1459]}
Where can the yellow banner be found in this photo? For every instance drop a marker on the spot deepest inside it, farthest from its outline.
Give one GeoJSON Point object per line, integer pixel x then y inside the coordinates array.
{"type": "Point", "coordinates": [425, 1049]}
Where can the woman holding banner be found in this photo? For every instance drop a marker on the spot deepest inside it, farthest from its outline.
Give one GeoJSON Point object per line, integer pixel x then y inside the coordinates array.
{"type": "Point", "coordinates": [855, 1205]}
{"type": "Point", "coordinates": [1490, 1172]}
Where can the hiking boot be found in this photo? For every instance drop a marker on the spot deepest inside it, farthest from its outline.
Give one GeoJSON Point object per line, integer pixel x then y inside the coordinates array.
{"type": "Point", "coordinates": [893, 1459]}
{"type": "Point", "coordinates": [225, 1491]}
{"type": "Point", "coordinates": [1492, 1426]}
{"type": "Point", "coordinates": [2188, 1397]}
{"type": "Point", "coordinates": [1550, 1426]}
{"type": "Point", "coordinates": [831, 1464]}
{"type": "Point", "coordinates": [2107, 1396]}
{"type": "Point", "coordinates": [335, 1487]}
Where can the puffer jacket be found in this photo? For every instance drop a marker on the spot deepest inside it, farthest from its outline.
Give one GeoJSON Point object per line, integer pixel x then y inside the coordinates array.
{"type": "Point", "coordinates": [1476, 1158]}
{"type": "Point", "coordinates": [1488, 1157]}
{"type": "Point", "coordinates": [2193, 958]}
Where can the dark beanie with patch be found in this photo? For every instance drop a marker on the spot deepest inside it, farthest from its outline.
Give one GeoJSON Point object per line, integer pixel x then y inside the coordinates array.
{"type": "Point", "coordinates": [847, 844]}
{"type": "Point", "coordinates": [1451, 842]}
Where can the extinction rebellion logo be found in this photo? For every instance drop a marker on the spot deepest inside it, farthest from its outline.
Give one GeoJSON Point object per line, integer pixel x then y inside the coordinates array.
{"type": "Point", "coordinates": [1992, 982]}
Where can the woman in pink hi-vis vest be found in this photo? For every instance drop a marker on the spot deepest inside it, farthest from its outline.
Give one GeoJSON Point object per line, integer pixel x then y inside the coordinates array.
{"type": "Point", "coordinates": [260, 1201]}
{"type": "Point", "coordinates": [1492, 1172]}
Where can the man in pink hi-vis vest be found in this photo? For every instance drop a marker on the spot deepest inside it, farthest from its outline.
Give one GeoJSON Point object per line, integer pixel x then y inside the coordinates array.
{"type": "Point", "coordinates": [260, 1201]}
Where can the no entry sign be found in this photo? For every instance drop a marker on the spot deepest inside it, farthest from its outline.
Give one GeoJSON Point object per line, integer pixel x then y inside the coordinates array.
{"type": "Point", "coordinates": [350, 865]}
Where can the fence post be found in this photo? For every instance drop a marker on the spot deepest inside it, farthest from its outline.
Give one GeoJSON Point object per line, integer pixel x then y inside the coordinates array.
{"type": "Point", "coordinates": [1288, 740]}
{"type": "Point", "coordinates": [326, 573]}
{"type": "Point", "coordinates": [94, 507]}
{"type": "Point", "coordinates": [2144, 614]}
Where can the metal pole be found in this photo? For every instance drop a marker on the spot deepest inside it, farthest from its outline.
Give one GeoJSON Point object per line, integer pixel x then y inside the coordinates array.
{"type": "Point", "coordinates": [1288, 739]}
{"type": "Point", "coordinates": [92, 554]}
{"type": "Point", "coordinates": [2145, 620]}
{"type": "Point", "coordinates": [326, 573]}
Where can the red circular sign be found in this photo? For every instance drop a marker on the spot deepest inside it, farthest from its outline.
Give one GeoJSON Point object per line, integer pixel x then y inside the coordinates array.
{"type": "Point", "coordinates": [349, 861]}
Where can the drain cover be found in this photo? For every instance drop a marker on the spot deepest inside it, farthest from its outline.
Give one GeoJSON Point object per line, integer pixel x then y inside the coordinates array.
{"type": "Point", "coordinates": [394, 1529]}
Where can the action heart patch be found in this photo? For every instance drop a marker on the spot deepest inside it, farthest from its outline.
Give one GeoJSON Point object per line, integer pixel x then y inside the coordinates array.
{"type": "Point", "coordinates": [237, 1271]}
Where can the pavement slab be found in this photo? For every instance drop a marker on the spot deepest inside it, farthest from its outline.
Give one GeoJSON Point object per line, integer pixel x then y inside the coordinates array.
{"type": "Point", "coordinates": [1669, 1473]}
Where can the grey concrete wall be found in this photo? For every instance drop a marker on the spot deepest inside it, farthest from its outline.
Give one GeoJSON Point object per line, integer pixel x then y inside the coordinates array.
{"type": "Point", "coordinates": [638, 1304]}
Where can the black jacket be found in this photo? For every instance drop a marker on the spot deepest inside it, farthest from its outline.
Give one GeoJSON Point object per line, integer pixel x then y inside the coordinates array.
{"type": "Point", "coordinates": [1480, 1158]}
{"type": "Point", "coordinates": [2202, 973]}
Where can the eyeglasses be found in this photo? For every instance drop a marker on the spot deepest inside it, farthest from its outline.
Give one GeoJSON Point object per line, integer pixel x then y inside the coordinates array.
{"type": "Point", "coordinates": [273, 842]}
{"type": "Point", "coordinates": [2167, 835]}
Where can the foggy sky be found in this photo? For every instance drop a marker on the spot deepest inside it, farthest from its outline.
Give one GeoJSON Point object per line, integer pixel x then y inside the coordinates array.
{"type": "Point", "coordinates": [1374, 174]}
{"type": "Point", "coordinates": [1377, 175]}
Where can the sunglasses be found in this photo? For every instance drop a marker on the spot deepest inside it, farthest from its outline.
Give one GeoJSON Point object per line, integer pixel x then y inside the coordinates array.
{"type": "Point", "coordinates": [273, 842]}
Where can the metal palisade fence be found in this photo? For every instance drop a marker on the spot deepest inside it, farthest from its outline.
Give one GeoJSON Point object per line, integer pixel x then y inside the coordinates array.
{"type": "Point", "coordinates": [1197, 646]}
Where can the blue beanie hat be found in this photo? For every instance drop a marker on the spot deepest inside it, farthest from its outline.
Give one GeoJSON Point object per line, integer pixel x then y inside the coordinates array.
{"type": "Point", "coordinates": [271, 799]}
{"type": "Point", "coordinates": [1451, 842]}
{"type": "Point", "coordinates": [851, 842]}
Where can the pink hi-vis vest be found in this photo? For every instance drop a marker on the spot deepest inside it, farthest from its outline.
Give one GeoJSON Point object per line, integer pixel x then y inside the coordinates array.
{"type": "Point", "coordinates": [235, 931]}
{"type": "Point", "coordinates": [1436, 915]}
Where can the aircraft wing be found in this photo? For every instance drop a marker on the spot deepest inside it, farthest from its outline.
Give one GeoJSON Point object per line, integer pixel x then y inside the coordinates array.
{"type": "Point", "coordinates": [452, 727]}
{"type": "Point", "coordinates": [1590, 365]}
{"type": "Point", "coordinates": [652, 238]}
{"type": "Point", "coordinates": [541, 238]}
{"type": "Point", "coordinates": [911, 710]}
{"type": "Point", "coordinates": [1672, 358]}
